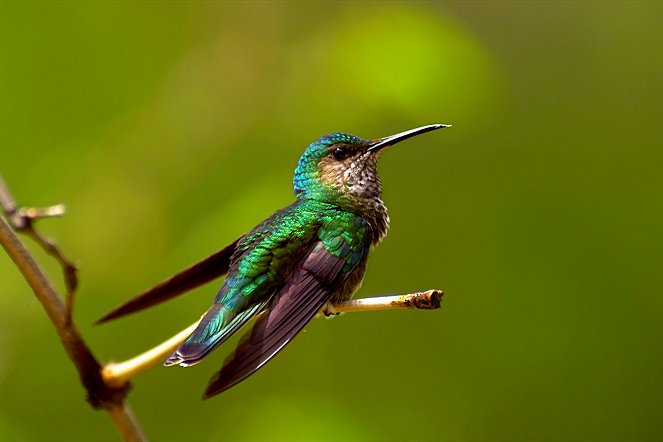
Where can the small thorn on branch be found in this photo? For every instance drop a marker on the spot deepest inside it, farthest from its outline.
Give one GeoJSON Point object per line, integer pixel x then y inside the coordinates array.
{"type": "Point", "coordinates": [32, 213]}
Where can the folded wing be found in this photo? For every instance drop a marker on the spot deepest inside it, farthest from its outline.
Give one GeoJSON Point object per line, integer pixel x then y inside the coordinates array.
{"type": "Point", "coordinates": [313, 282]}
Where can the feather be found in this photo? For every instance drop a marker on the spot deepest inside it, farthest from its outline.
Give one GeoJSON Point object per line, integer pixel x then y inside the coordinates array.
{"type": "Point", "coordinates": [204, 271]}
{"type": "Point", "coordinates": [203, 340]}
{"type": "Point", "coordinates": [315, 279]}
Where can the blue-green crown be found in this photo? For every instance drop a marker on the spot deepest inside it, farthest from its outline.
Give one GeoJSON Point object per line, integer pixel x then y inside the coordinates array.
{"type": "Point", "coordinates": [307, 175]}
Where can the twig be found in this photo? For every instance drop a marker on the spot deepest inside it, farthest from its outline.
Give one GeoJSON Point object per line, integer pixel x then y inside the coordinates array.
{"type": "Point", "coordinates": [99, 395]}
{"type": "Point", "coordinates": [428, 300]}
{"type": "Point", "coordinates": [22, 220]}
{"type": "Point", "coordinates": [126, 422]}
{"type": "Point", "coordinates": [119, 373]}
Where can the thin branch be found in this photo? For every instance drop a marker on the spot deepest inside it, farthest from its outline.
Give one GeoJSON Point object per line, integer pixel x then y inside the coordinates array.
{"type": "Point", "coordinates": [22, 219]}
{"type": "Point", "coordinates": [126, 423]}
{"type": "Point", "coordinates": [99, 395]}
{"type": "Point", "coordinates": [119, 373]}
{"type": "Point", "coordinates": [428, 300]}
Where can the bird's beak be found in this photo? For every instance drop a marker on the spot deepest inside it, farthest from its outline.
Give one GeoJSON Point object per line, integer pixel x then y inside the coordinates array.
{"type": "Point", "coordinates": [381, 143]}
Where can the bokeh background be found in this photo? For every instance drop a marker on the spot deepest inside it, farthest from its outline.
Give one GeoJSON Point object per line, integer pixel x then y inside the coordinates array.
{"type": "Point", "coordinates": [168, 129]}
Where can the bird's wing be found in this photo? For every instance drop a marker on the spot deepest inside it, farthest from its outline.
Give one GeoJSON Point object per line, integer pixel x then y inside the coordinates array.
{"type": "Point", "coordinates": [317, 276]}
{"type": "Point", "coordinates": [204, 271]}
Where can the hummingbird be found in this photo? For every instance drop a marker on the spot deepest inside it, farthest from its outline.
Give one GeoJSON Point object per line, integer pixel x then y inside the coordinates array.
{"type": "Point", "coordinates": [301, 260]}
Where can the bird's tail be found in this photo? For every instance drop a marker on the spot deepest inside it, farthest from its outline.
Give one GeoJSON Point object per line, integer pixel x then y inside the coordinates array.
{"type": "Point", "coordinates": [217, 325]}
{"type": "Point", "coordinates": [202, 340]}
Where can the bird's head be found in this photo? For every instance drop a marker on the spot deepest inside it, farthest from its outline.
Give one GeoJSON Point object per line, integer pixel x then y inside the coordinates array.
{"type": "Point", "coordinates": [342, 169]}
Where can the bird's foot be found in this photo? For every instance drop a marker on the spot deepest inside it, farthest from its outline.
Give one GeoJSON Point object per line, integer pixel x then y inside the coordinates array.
{"type": "Point", "coordinates": [328, 310]}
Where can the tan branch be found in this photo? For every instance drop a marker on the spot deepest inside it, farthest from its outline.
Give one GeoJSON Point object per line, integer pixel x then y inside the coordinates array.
{"type": "Point", "coordinates": [428, 300]}
{"type": "Point", "coordinates": [119, 373]}
{"type": "Point", "coordinates": [125, 421]}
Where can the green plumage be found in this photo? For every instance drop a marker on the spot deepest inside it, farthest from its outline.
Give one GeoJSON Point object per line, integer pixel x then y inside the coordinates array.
{"type": "Point", "coordinates": [265, 257]}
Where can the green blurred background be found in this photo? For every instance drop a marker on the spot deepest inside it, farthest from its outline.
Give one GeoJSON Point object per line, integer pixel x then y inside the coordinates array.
{"type": "Point", "coordinates": [168, 129]}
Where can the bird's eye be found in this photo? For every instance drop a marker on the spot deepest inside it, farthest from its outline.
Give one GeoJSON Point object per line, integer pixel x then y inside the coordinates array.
{"type": "Point", "coordinates": [339, 154]}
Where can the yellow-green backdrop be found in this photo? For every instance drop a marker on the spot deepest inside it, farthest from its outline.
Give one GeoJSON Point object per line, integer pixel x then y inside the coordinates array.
{"type": "Point", "coordinates": [170, 128]}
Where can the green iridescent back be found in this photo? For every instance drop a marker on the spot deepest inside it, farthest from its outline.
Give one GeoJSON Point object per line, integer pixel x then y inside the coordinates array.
{"type": "Point", "coordinates": [265, 256]}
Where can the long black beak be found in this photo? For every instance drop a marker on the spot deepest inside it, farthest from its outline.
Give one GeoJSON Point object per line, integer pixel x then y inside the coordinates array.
{"type": "Point", "coordinates": [381, 143]}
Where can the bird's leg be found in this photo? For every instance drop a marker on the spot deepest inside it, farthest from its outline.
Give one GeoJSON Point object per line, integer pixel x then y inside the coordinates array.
{"type": "Point", "coordinates": [119, 373]}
